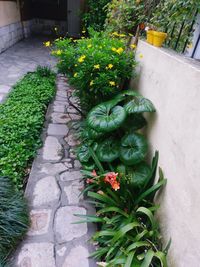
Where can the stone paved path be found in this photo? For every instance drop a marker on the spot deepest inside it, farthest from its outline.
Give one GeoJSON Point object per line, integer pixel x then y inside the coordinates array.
{"type": "Point", "coordinates": [23, 57]}
{"type": "Point", "coordinates": [53, 192]}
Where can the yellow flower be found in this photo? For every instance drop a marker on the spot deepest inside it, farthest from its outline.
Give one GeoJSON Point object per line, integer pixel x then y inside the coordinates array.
{"type": "Point", "coordinates": [115, 34]}
{"type": "Point", "coordinates": [91, 83]}
{"type": "Point", "coordinates": [47, 44]}
{"type": "Point", "coordinates": [114, 49]}
{"type": "Point", "coordinates": [140, 55]}
{"type": "Point", "coordinates": [75, 65]}
{"type": "Point", "coordinates": [110, 66]}
{"type": "Point", "coordinates": [112, 83]}
{"type": "Point", "coordinates": [75, 75]}
{"type": "Point", "coordinates": [89, 46]}
{"type": "Point", "coordinates": [133, 46]}
{"type": "Point", "coordinates": [120, 50]}
{"type": "Point", "coordinates": [83, 31]}
{"type": "Point", "coordinates": [56, 29]}
{"type": "Point", "coordinates": [81, 59]}
{"type": "Point", "coordinates": [97, 66]}
{"type": "Point", "coordinates": [82, 37]}
{"type": "Point", "coordinates": [58, 52]}
{"type": "Point", "coordinates": [122, 35]}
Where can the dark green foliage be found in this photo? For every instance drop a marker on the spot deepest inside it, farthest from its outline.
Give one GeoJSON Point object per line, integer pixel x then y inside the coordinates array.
{"type": "Point", "coordinates": [21, 121]}
{"type": "Point", "coordinates": [96, 14]}
{"type": "Point", "coordinates": [14, 219]}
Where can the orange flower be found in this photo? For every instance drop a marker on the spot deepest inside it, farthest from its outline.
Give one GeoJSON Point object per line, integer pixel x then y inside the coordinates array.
{"type": "Point", "coordinates": [89, 181]}
{"type": "Point", "coordinates": [111, 178]}
{"type": "Point", "coordinates": [94, 173]}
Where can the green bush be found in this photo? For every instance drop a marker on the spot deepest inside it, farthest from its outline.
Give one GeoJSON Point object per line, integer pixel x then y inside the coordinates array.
{"type": "Point", "coordinates": [95, 15]}
{"type": "Point", "coordinates": [21, 121]}
{"type": "Point", "coordinates": [14, 219]}
{"type": "Point", "coordinates": [97, 66]}
{"type": "Point", "coordinates": [122, 185]}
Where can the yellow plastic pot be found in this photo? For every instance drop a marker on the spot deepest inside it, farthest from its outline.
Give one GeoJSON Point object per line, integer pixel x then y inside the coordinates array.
{"type": "Point", "coordinates": [159, 38]}
{"type": "Point", "coordinates": [150, 37]}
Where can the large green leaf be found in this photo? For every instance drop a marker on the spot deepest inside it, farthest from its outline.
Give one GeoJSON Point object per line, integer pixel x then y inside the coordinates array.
{"type": "Point", "coordinates": [124, 94]}
{"type": "Point", "coordinates": [108, 150]}
{"type": "Point", "coordinates": [93, 134]}
{"type": "Point", "coordinates": [139, 104]}
{"type": "Point", "coordinates": [106, 117]}
{"type": "Point", "coordinates": [138, 174]}
{"type": "Point", "coordinates": [134, 122]}
{"type": "Point", "coordinates": [133, 148]}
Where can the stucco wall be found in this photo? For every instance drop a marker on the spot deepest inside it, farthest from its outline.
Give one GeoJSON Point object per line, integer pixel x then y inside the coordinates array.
{"type": "Point", "coordinates": [173, 84]}
{"type": "Point", "coordinates": [9, 13]}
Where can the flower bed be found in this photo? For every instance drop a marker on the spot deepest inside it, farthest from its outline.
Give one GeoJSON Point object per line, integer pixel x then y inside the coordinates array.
{"type": "Point", "coordinates": [113, 151]}
{"type": "Point", "coordinates": [21, 121]}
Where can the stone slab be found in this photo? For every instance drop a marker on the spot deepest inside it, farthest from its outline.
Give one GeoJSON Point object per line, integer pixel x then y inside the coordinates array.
{"type": "Point", "coordinates": [40, 220]}
{"type": "Point", "coordinates": [60, 118]}
{"type": "Point", "coordinates": [77, 256]}
{"type": "Point", "coordinates": [52, 149]}
{"type": "Point", "coordinates": [70, 176]}
{"type": "Point", "coordinates": [65, 230]}
{"type": "Point", "coordinates": [36, 255]}
{"type": "Point", "coordinates": [46, 191]}
{"type": "Point", "coordinates": [73, 191]}
{"type": "Point", "coordinates": [57, 129]}
{"type": "Point", "coordinates": [53, 168]}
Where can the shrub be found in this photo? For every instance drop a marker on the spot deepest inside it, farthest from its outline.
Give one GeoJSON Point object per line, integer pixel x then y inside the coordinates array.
{"type": "Point", "coordinates": [122, 185]}
{"type": "Point", "coordinates": [97, 66]}
{"type": "Point", "coordinates": [21, 120]}
{"type": "Point", "coordinates": [95, 15]}
{"type": "Point", "coordinates": [14, 219]}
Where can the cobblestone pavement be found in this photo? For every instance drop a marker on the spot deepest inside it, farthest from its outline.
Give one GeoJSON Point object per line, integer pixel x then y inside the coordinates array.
{"type": "Point", "coordinates": [18, 60]}
{"type": "Point", "coordinates": [53, 192]}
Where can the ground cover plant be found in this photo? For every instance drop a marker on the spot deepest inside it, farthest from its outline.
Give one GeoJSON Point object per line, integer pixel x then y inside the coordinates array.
{"type": "Point", "coordinates": [21, 121]}
{"type": "Point", "coordinates": [97, 66]}
{"type": "Point", "coordinates": [14, 219]}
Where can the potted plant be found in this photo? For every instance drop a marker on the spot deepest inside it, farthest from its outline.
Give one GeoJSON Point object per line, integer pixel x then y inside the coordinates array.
{"type": "Point", "coordinates": [155, 37]}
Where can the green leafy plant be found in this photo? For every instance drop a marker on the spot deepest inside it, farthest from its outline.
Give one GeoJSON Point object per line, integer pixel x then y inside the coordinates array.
{"type": "Point", "coordinates": [95, 15]}
{"type": "Point", "coordinates": [21, 120]}
{"type": "Point", "coordinates": [176, 18]}
{"type": "Point", "coordinates": [14, 219]}
{"type": "Point", "coordinates": [97, 67]}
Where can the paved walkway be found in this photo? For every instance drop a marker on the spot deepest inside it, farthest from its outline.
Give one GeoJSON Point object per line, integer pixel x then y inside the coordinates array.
{"type": "Point", "coordinates": [55, 182]}
{"type": "Point", "coordinates": [53, 193]}
{"type": "Point", "coordinates": [23, 57]}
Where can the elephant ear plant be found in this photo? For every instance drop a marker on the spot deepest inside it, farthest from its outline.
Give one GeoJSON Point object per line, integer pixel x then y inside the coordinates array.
{"type": "Point", "coordinates": [121, 183]}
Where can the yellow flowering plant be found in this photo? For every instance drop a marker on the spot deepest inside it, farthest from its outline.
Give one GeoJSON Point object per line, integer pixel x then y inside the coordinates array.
{"type": "Point", "coordinates": [97, 66]}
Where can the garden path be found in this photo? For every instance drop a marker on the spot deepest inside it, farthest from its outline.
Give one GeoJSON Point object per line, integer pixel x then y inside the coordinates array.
{"type": "Point", "coordinates": [19, 59]}
{"type": "Point", "coordinates": [55, 182]}
{"type": "Point", "coordinates": [53, 191]}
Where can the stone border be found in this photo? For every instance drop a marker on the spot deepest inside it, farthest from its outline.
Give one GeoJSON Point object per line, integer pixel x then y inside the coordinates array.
{"type": "Point", "coordinates": [53, 191]}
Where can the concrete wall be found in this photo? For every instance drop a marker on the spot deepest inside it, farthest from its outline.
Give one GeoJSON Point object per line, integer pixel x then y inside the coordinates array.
{"type": "Point", "coordinates": [173, 84]}
{"type": "Point", "coordinates": [9, 12]}
{"type": "Point", "coordinates": [11, 30]}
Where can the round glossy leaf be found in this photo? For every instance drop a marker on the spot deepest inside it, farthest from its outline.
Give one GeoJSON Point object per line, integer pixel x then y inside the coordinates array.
{"type": "Point", "coordinates": [134, 122]}
{"type": "Point", "coordinates": [83, 153]}
{"type": "Point", "coordinates": [108, 150]}
{"type": "Point", "coordinates": [133, 148]}
{"type": "Point", "coordinates": [123, 95]}
{"type": "Point", "coordinates": [139, 104]}
{"type": "Point", "coordinates": [106, 117]}
{"type": "Point", "coordinates": [138, 174]}
{"type": "Point", "coordinates": [121, 169]}
{"type": "Point", "coordinates": [92, 134]}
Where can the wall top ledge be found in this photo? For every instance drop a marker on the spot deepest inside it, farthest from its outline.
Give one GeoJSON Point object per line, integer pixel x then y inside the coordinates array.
{"type": "Point", "coordinates": [193, 63]}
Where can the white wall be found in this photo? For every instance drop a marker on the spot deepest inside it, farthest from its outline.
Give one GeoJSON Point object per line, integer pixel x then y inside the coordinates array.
{"type": "Point", "coordinates": [173, 84]}
{"type": "Point", "coordinates": [9, 12]}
